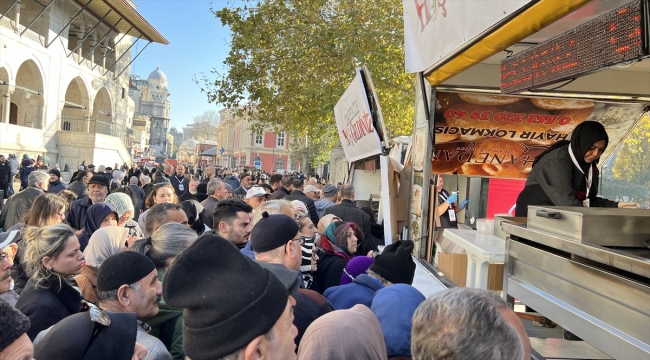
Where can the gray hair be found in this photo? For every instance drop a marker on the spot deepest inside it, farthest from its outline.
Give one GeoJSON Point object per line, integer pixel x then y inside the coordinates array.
{"type": "Point", "coordinates": [118, 175]}
{"type": "Point", "coordinates": [37, 177]}
{"type": "Point", "coordinates": [157, 215]}
{"type": "Point", "coordinates": [346, 191]}
{"type": "Point", "coordinates": [167, 242]}
{"type": "Point", "coordinates": [464, 323]}
{"type": "Point", "coordinates": [112, 294]}
{"type": "Point", "coordinates": [271, 207]}
{"type": "Point", "coordinates": [214, 185]}
{"type": "Point", "coordinates": [101, 168]}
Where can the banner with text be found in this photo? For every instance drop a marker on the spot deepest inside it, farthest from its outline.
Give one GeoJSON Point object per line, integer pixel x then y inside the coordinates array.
{"type": "Point", "coordinates": [500, 136]}
{"type": "Point", "coordinates": [434, 29]}
{"type": "Point", "coordinates": [354, 122]}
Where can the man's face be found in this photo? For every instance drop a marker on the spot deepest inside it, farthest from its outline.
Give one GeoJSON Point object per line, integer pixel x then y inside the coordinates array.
{"type": "Point", "coordinates": [296, 261]}
{"type": "Point", "coordinates": [246, 182]}
{"type": "Point", "coordinates": [53, 178]}
{"type": "Point", "coordinates": [21, 348]}
{"type": "Point", "coordinates": [221, 193]}
{"type": "Point", "coordinates": [5, 274]}
{"type": "Point", "coordinates": [283, 346]}
{"type": "Point", "coordinates": [2, 159]}
{"type": "Point", "coordinates": [209, 172]}
{"type": "Point", "coordinates": [314, 195]}
{"type": "Point", "coordinates": [180, 170]}
{"type": "Point", "coordinates": [275, 186]}
{"type": "Point", "coordinates": [256, 201]}
{"type": "Point", "coordinates": [85, 179]}
{"type": "Point", "coordinates": [240, 230]}
{"type": "Point", "coordinates": [144, 302]}
{"type": "Point", "coordinates": [98, 192]}
{"type": "Point", "coordinates": [177, 216]}
{"type": "Point", "coordinates": [193, 185]}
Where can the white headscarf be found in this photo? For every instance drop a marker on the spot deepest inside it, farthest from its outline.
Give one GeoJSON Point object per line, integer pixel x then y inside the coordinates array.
{"type": "Point", "coordinates": [104, 243]}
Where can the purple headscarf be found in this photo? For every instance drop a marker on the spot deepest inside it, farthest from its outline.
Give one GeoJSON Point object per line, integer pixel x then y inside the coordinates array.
{"type": "Point", "coordinates": [355, 267]}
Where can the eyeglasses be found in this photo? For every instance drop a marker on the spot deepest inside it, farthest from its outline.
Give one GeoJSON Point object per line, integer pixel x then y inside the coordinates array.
{"type": "Point", "coordinates": [300, 239]}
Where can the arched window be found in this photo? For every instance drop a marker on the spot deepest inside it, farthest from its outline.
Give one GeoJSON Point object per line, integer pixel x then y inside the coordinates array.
{"type": "Point", "coordinates": [279, 163]}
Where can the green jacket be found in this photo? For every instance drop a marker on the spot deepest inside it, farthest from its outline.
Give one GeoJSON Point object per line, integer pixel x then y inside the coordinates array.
{"type": "Point", "coordinates": [168, 325]}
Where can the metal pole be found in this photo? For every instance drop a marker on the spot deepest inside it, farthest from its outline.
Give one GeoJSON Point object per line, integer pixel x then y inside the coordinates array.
{"type": "Point", "coordinates": [8, 10]}
{"type": "Point", "coordinates": [121, 56]}
{"type": "Point", "coordinates": [81, 42]}
{"type": "Point", "coordinates": [132, 60]}
{"type": "Point", "coordinates": [70, 22]}
{"type": "Point", "coordinates": [108, 52]}
{"type": "Point", "coordinates": [100, 41]}
{"type": "Point", "coordinates": [38, 16]}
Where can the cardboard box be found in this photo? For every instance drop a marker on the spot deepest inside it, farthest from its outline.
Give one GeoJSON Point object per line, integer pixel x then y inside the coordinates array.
{"type": "Point", "coordinates": [454, 266]}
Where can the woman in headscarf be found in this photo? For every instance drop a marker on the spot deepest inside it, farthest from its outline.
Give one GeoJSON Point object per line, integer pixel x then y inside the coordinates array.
{"type": "Point", "coordinates": [566, 173]}
{"type": "Point", "coordinates": [342, 335]}
{"type": "Point", "coordinates": [194, 211]}
{"type": "Point", "coordinates": [123, 203]}
{"type": "Point", "coordinates": [98, 216]}
{"type": "Point", "coordinates": [355, 267]}
{"type": "Point", "coordinates": [338, 244]}
{"type": "Point", "coordinates": [201, 192]}
{"type": "Point", "coordinates": [325, 221]}
{"type": "Point", "coordinates": [396, 325]}
{"type": "Point", "coordinates": [103, 243]}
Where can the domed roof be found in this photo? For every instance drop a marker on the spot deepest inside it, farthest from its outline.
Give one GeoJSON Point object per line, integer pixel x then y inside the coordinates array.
{"type": "Point", "coordinates": [190, 142]}
{"type": "Point", "coordinates": [158, 75]}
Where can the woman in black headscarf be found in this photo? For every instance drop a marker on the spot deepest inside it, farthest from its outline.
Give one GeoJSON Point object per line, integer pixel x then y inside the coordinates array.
{"type": "Point", "coordinates": [566, 174]}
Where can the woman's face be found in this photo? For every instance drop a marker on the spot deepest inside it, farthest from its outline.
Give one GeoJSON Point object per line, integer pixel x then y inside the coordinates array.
{"type": "Point", "coordinates": [164, 195]}
{"type": "Point", "coordinates": [307, 228]}
{"type": "Point", "coordinates": [352, 241]}
{"type": "Point", "coordinates": [58, 217]}
{"type": "Point", "coordinates": [69, 262]}
{"type": "Point", "coordinates": [124, 218]}
{"type": "Point", "coordinates": [595, 151]}
{"type": "Point", "coordinates": [109, 220]}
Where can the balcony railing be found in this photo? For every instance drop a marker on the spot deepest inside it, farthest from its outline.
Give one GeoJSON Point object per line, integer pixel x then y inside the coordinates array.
{"type": "Point", "coordinates": [81, 124]}
{"type": "Point", "coordinates": [29, 34]}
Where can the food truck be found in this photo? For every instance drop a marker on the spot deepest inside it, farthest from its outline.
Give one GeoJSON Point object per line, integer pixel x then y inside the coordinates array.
{"type": "Point", "coordinates": [498, 82]}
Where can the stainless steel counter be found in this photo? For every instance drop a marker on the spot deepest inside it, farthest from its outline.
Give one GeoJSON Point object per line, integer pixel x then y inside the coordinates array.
{"type": "Point", "coordinates": [601, 295]}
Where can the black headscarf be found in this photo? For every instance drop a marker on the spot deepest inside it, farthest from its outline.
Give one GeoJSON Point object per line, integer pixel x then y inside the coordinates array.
{"type": "Point", "coordinates": [582, 138]}
{"type": "Point", "coordinates": [194, 211]}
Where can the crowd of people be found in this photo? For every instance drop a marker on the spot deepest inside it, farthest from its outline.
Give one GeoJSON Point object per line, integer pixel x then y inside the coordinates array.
{"type": "Point", "coordinates": [158, 263]}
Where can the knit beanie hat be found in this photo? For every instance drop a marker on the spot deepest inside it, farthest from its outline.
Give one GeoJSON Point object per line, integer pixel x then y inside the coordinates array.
{"type": "Point", "coordinates": [13, 324]}
{"type": "Point", "coordinates": [125, 268]}
{"type": "Point", "coordinates": [395, 263]}
{"type": "Point", "coordinates": [122, 203]}
{"type": "Point", "coordinates": [55, 172]}
{"type": "Point", "coordinates": [273, 231]}
{"type": "Point", "coordinates": [229, 300]}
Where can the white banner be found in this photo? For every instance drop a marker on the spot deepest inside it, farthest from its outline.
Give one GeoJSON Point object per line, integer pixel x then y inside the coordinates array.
{"type": "Point", "coordinates": [354, 122]}
{"type": "Point", "coordinates": [434, 29]}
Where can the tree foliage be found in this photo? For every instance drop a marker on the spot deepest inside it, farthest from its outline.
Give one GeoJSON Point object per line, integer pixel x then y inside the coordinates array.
{"type": "Point", "coordinates": [293, 59]}
{"type": "Point", "coordinates": [204, 126]}
{"type": "Point", "coordinates": [633, 161]}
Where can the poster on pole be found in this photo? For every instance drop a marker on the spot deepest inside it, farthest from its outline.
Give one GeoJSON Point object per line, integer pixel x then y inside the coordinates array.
{"type": "Point", "coordinates": [355, 123]}
{"type": "Point", "coordinates": [435, 29]}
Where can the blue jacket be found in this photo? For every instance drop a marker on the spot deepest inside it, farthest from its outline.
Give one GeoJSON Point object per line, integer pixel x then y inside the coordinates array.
{"type": "Point", "coordinates": [361, 291]}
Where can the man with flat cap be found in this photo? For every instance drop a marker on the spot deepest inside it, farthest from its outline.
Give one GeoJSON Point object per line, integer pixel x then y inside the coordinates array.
{"type": "Point", "coordinates": [276, 242]}
{"type": "Point", "coordinates": [14, 342]}
{"type": "Point", "coordinates": [97, 192]}
{"type": "Point", "coordinates": [128, 283]}
{"type": "Point", "coordinates": [234, 308]}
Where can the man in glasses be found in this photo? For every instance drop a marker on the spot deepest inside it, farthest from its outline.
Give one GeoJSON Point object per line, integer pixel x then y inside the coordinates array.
{"type": "Point", "coordinates": [256, 196]}
{"type": "Point", "coordinates": [276, 243]}
{"type": "Point", "coordinates": [128, 283]}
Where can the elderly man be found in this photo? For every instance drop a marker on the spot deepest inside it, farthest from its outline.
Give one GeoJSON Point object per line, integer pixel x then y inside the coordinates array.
{"type": "Point", "coordinates": [190, 192]}
{"type": "Point", "coordinates": [97, 193]}
{"type": "Point", "coordinates": [80, 186]}
{"type": "Point", "coordinates": [128, 283]}
{"type": "Point", "coordinates": [6, 263]}
{"type": "Point", "coordinates": [330, 197]}
{"type": "Point", "coordinates": [216, 192]}
{"type": "Point", "coordinates": [347, 210]}
{"type": "Point", "coordinates": [232, 221]}
{"type": "Point", "coordinates": [19, 204]}
{"type": "Point", "coordinates": [245, 183]}
{"type": "Point", "coordinates": [466, 324]}
{"type": "Point", "coordinates": [312, 192]}
{"type": "Point", "coordinates": [161, 214]}
{"type": "Point", "coordinates": [55, 185]}
{"type": "Point", "coordinates": [234, 308]}
{"type": "Point", "coordinates": [256, 196]}
{"type": "Point", "coordinates": [297, 194]}
{"type": "Point", "coordinates": [14, 342]}
{"type": "Point", "coordinates": [179, 182]}
{"type": "Point", "coordinates": [394, 265]}
{"type": "Point", "coordinates": [276, 241]}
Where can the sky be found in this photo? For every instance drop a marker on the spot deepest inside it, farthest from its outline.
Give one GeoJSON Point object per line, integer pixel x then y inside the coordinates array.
{"type": "Point", "coordinates": [197, 43]}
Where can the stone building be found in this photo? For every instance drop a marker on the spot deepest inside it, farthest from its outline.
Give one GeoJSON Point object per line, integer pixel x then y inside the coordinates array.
{"type": "Point", "coordinates": [64, 78]}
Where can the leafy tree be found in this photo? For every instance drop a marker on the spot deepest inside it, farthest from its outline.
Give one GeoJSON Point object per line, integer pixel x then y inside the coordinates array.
{"type": "Point", "coordinates": [633, 161]}
{"type": "Point", "coordinates": [293, 59]}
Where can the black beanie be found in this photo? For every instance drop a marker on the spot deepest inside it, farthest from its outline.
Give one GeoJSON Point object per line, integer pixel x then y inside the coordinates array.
{"type": "Point", "coordinates": [13, 324]}
{"type": "Point", "coordinates": [55, 172]}
{"type": "Point", "coordinates": [395, 263]}
{"type": "Point", "coordinates": [273, 231]}
{"type": "Point", "coordinates": [229, 300]}
{"type": "Point", "coordinates": [125, 268]}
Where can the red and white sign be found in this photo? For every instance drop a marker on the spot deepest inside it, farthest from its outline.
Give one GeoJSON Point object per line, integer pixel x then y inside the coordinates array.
{"type": "Point", "coordinates": [354, 122]}
{"type": "Point", "coordinates": [434, 29]}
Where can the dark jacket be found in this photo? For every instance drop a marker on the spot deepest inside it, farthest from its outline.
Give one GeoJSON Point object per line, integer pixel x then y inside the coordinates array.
{"type": "Point", "coordinates": [556, 181]}
{"type": "Point", "coordinates": [5, 174]}
{"type": "Point", "coordinates": [167, 325]}
{"type": "Point", "coordinates": [310, 305]}
{"type": "Point", "coordinates": [176, 182]}
{"type": "Point", "coordinates": [47, 306]}
{"type": "Point", "coordinates": [240, 192]}
{"type": "Point", "coordinates": [187, 196]}
{"type": "Point", "coordinates": [299, 195]}
{"type": "Point", "coordinates": [280, 193]}
{"type": "Point", "coordinates": [56, 187]}
{"type": "Point", "coordinates": [25, 175]}
{"type": "Point", "coordinates": [209, 205]}
{"type": "Point", "coordinates": [233, 182]}
{"type": "Point", "coordinates": [79, 188]}
{"type": "Point", "coordinates": [348, 211]}
{"type": "Point", "coordinates": [328, 272]}
{"type": "Point", "coordinates": [77, 215]}
{"type": "Point", "coordinates": [18, 206]}
{"type": "Point", "coordinates": [361, 291]}
{"type": "Point", "coordinates": [131, 173]}
{"type": "Point", "coordinates": [140, 196]}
